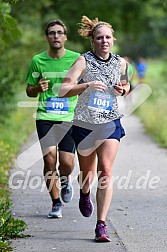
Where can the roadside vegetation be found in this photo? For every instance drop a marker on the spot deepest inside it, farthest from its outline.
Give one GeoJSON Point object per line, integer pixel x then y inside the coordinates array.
{"type": "Point", "coordinates": [153, 112]}
{"type": "Point", "coordinates": [15, 131]}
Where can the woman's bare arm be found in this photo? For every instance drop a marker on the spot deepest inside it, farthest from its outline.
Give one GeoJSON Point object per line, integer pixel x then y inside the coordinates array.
{"type": "Point", "coordinates": [69, 85]}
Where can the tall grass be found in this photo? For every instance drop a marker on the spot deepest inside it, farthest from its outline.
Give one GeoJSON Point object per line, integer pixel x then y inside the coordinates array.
{"type": "Point", "coordinates": [18, 125]}
{"type": "Point", "coordinates": [14, 132]}
{"type": "Point", "coordinates": [153, 112]}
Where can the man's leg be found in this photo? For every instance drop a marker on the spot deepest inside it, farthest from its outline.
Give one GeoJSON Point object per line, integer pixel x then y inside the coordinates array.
{"type": "Point", "coordinates": [48, 141]}
{"type": "Point", "coordinates": [50, 173]}
{"type": "Point", "coordinates": [66, 166]}
{"type": "Point", "coordinates": [66, 163]}
{"type": "Point", "coordinates": [52, 182]}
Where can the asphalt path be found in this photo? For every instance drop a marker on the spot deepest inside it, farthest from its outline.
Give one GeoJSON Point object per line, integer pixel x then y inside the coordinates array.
{"type": "Point", "coordinates": [137, 216]}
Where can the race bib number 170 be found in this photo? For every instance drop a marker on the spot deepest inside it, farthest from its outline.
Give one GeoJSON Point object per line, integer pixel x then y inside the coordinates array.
{"type": "Point", "coordinates": [57, 105]}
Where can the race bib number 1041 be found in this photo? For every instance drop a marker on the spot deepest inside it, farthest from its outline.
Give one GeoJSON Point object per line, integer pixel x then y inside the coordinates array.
{"type": "Point", "coordinates": [100, 101]}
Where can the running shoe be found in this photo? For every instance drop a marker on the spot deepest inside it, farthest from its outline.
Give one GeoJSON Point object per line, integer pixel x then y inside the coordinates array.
{"type": "Point", "coordinates": [86, 206]}
{"type": "Point", "coordinates": [67, 190]}
{"type": "Point", "coordinates": [101, 233]}
{"type": "Point", "coordinates": [56, 211]}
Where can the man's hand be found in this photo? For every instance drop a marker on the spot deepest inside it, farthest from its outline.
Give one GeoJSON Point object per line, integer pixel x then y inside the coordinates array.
{"type": "Point", "coordinates": [43, 85]}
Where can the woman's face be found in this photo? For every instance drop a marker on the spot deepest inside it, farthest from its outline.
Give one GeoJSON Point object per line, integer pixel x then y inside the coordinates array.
{"type": "Point", "coordinates": [103, 40]}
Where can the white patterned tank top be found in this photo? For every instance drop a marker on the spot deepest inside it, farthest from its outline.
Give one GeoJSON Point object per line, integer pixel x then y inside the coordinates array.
{"type": "Point", "coordinates": [99, 107]}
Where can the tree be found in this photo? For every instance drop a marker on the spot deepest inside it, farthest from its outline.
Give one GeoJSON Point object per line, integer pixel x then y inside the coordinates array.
{"type": "Point", "coordinates": [9, 31]}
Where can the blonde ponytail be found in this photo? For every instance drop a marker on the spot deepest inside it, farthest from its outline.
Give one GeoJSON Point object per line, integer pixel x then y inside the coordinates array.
{"type": "Point", "coordinates": [88, 26]}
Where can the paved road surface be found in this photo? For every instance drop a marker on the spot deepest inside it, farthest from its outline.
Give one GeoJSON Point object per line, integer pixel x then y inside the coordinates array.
{"type": "Point", "coordinates": [137, 218]}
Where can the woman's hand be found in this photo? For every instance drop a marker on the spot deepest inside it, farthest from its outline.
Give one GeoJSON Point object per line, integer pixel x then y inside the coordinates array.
{"type": "Point", "coordinates": [119, 89]}
{"type": "Point", "coordinates": [96, 85]}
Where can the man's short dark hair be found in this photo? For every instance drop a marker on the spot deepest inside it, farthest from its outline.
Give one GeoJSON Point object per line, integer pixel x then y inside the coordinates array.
{"type": "Point", "coordinates": [55, 22]}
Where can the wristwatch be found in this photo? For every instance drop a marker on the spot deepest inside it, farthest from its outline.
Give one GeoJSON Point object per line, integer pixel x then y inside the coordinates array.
{"type": "Point", "coordinates": [124, 91]}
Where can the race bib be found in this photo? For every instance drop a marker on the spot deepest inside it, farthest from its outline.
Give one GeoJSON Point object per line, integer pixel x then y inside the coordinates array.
{"type": "Point", "coordinates": [57, 105]}
{"type": "Point", "coordinates": [100, 101]}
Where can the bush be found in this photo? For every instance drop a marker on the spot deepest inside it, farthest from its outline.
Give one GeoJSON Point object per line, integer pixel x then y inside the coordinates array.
{"type": "Point", "coordinates": [9, 227]}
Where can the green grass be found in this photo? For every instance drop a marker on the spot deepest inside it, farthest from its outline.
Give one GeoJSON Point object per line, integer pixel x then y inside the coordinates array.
{"type": "Point", "coordinates": [15, 131]}
{"type": "Point", "coordinates": [153, 111]}
{"type": "Point", "coordinates": [20, 124]}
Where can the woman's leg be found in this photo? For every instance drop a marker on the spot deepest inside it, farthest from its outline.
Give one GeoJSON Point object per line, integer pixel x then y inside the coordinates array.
{"type": "Point", "coordinates": [87, 166]}
{"type": "Point", "coordinates": [87, 171]}
{"type": "Point", "coordinates": [106, 153]}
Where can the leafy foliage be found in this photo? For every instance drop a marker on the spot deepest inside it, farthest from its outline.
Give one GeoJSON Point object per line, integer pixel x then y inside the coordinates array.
{"type": "Point", "coordinates": [8, 26]}
{"type": "Point", "coordinates": [5, 246]}
{"type": "Point", "coordinates": [9, 33]}
{"type": "Point", "coordinates": [9, 227]}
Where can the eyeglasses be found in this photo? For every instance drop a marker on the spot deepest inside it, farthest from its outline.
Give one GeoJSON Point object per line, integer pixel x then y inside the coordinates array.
{"type": "Point", "coordinates": [53, 33]}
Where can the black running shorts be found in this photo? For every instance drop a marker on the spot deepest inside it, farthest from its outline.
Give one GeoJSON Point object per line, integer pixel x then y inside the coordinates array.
{"type": "Point", "coordinates": [55, 133]}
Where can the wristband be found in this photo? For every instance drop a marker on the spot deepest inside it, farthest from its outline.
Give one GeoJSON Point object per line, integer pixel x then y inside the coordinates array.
{"type": "Point", "coordinates": [124, 91]}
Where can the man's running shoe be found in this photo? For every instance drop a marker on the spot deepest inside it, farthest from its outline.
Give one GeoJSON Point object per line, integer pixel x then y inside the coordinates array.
{"type": "Point", "coordinates": [101, 233]}
{"type": "Point", "coordinates": [56, 211]}
{"type": "Point", "coordinates": [67, 190]}
{"type": "Point", "coordinates": [86, 206]}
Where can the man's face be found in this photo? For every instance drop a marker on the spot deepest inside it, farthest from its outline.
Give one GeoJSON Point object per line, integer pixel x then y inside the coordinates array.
{"type": "Point", "coordinates": [56, 37]}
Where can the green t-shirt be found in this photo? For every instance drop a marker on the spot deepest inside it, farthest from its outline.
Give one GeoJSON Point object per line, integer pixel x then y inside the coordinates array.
{"type": "Point", "coordinates": [50, 107]}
